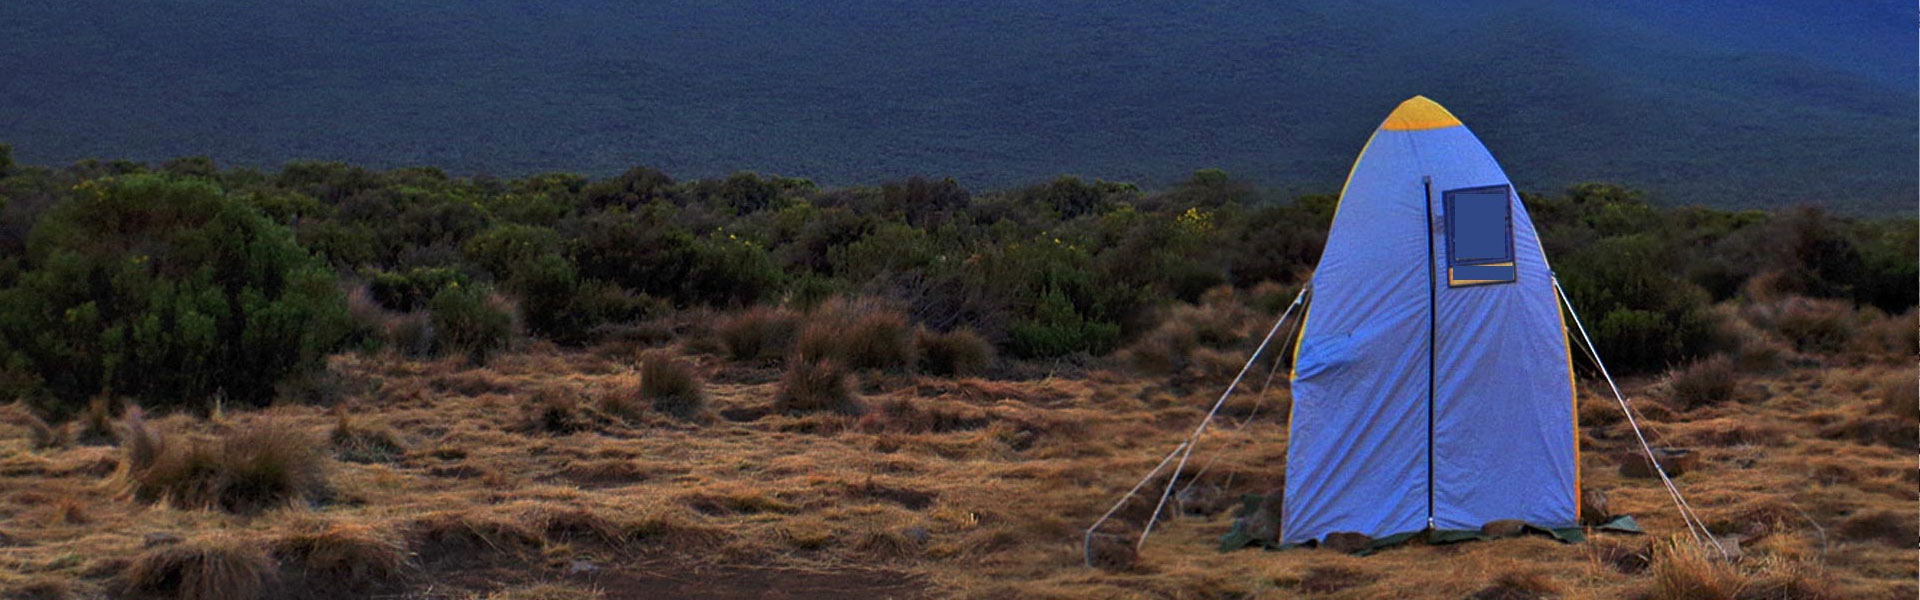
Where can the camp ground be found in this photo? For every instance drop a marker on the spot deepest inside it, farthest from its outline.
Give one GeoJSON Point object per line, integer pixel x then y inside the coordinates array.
{"type": "Point", "coordinates": [1431, 369]}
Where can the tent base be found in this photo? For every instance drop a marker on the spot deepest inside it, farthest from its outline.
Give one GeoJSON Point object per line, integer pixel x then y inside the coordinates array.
{"type": "Point", "coordinates": [1239, 538]}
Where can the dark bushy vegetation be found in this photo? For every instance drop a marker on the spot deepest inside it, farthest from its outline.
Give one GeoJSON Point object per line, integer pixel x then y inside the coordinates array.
{"type": "Point", "coordinates": [178, 285]}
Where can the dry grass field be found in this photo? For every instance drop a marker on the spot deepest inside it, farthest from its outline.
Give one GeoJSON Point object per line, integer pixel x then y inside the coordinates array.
{"type": "Point", "coordinates": [545, 475]}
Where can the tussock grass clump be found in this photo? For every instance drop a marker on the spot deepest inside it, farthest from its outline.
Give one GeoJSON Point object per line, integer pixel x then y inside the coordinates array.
{"type": "Point", "coordinates": [41, 435]}
{"type": "Point", "coordinates": [1684, 570]}
{"type": "Point", "coordinates": [1891, 528]}
{"type": "Point", "coordinates": [859, 334]}
{"type": "Point", "coordinates": [957, 352]}
{"type": "Point", "coordinates": [256, 465]}
{"type": "Point", "coordinates": [670, 384]}
{"type": "Point", "coordinates": [760, 333]}
{"type": "Point", "coordinates": [546, 591]}
{"type": "Point", "coordinates": [343, 556]}
{"type": "Point", "coordinates": [461, 536]}
{"type": "Point", "coordinates": [817, 386]}
{"type": "Point", "coordinates": [1528, 585]}
{"type": "Point", "coordinates": [1900, 396]}
{"type": "Point", "coordinates": [363, 441]}
{"type": "Point", "coordinates": [217, 566]}
{"type": "Point", "coordinates": [1891, 335]}
{"type": "Point", "coordinates": [553, 409]}
{"type": "Point", "coordinates": [1705, 382]}
{"type": "Point", "coordinates": [1822, 326]}
{"type": "Point", "coordinates": [43, 587]}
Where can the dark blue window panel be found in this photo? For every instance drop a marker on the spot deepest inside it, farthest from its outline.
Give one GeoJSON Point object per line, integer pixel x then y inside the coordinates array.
{"type": "Point", "coordinates": [1479, 226]}
{"type": "Point", "coordinates": [1480, 274]}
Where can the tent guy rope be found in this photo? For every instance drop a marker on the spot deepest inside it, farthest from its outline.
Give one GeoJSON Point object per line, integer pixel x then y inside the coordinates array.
{"type": "Point", "coordinates": [1695, 526]}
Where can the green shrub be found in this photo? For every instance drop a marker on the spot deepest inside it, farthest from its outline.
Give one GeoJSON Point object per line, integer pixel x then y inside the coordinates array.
{"type": "Point", "coordinates": [168, 290]}
{"type": "Point", "coordinates": [670, 384]}
{"type": "Point", "coordinates": [1057, 329]}
{"type": "Point", "coordinates": [954, 353]}
{"type": "Point", "coordinates": [503, 247]}
{"type": "Point", "coordinates": [471, 319]}
{"type": "Point", "coordinates": [410, 290]}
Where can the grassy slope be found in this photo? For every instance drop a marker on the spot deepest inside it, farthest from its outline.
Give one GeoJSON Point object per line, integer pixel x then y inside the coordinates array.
{"type": "Point", "coordinates": [1001, 498]}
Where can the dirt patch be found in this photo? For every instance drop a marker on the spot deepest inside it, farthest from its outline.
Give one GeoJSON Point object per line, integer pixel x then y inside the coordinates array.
{"type": "Point", "coordinates": [734, 583]}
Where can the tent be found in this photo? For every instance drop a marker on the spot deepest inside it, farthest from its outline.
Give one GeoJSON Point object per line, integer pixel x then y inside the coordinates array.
{"type": "Point", "coordinates": [1432, 384]}
{"type": "Point", "coordinates": [1432, 378]}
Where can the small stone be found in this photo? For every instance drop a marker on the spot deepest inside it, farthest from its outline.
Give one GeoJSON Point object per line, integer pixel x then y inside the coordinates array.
{"type": "Point", "coordinates": [158, 539]}
{"type": "Point", "coordinates": [1112, 552]}
{"type": "Point", "coordinates": [1504, 528]}
{"type": "Point", "coordinates": [1346, 542]}
{"type": "Point", "coordinates": [579, 567]}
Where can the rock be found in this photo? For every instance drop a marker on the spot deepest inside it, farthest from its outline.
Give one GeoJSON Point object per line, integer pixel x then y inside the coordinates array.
{"type": "Point", "coordinates": [1593, 507]}
{"type": "Point", "coordinates": [580, 567]}
{"type": "Point", "coordinates": [1111, 552]}
{"type": "Point", "coordinates": [1504, 528]}
{"type": "Point", "coordinates": [158, 539]}
{"type": "Point", "coordinates": [1675, 461]}
{"type": "Point", "coordinates": [1347, 542]}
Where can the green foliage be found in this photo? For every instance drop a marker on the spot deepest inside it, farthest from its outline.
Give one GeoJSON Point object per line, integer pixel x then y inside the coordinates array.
{"type": "Point", "coordinates": [1057, 328]}
{"type": "Point", "coordinates": [410, 290]}
{"type": "Point", "coordinates": [471, 319]}
{"type": "Point", "coordinates": [1649, 317]}
{"type": "Point", "coordinates": [165, 289]}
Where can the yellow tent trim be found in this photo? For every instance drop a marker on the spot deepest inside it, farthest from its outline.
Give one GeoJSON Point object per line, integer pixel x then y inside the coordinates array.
{"type": "Point", "coordinates": [1419, 113]}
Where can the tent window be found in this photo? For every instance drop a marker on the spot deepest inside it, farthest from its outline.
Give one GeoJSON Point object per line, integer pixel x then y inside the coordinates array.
{"type": "Point", "coordinates": [1479, 236]}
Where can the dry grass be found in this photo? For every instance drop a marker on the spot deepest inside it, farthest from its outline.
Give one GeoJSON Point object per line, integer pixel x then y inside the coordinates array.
{"type": "Point", "coordinates": [670, 385]}
{"type": "Point", "coordinates": [954, 353]}
{"type": "Point", "coordinates": [216, 566]}
{"type": "Point", "coordinates": [1685, 570]}
{"type": "Point", "coordinates": [760, 333]}
{"type": "Point", "coordinates": [975, 488]}
{"type": "Point", "coordinates": [1705, 383]}
{"type": "Point", "coordinates": [260, 464]}
{"type": "Point", "coordinates": [340, 556]}
{"type": "Point", "coordinates": [817, 386]}
{"type": "Point", "coordinates": [362, 440]}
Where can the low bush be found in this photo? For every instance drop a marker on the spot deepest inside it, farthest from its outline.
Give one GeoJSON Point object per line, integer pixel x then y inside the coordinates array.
{"type": "Point", "coordinates": [1705, 382]}
{"type": "Point", "coordinates": [473, 320]}
{"type": "Point", "coordinates": [816, 386]}
{"type": "Point", "coordinates": [670, 384]}
{"type": "Point", "coordinates": [954, 353]}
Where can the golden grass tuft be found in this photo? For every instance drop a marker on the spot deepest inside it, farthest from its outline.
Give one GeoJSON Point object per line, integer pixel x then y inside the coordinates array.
{"type": "Point", "coordinates": [259, 464]}
{"type": "Point", "coordinates": [817, 386]}
{"type": "Point", "coordinates": [215, 566]}
{"type": "Point", "coordinates": [955, 353]}
{"type": "Point", "coordinates": [859, 334]}
{"type": "Point", "coordinates": [554, 409]}
{"type": "Point", "coordinates": [760, 333]}
{"type": "Point", "coordinates": [41, 435]}
{"type": "Point", "coordinates": [362, 440]}
{"type": "Point", "coordinates": [670, 385]}
{"type": "Point", "coordinates": [1705, 383]}
{"type": "Point", "coordinates": [460, 536]}
{"type": "Point", "coordinates": [1900, 396]}
{"type": "Point", "coordinates": [1684, 570]}
{"type": "Point", "coordinates": [342, 555]}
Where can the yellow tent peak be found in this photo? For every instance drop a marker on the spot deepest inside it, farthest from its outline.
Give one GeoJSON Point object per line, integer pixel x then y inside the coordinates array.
{"type": "Point", "coordinates": [1419, 113]}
